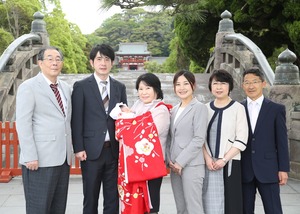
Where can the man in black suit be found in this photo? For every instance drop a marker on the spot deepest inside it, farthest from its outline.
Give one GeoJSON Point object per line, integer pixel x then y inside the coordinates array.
{"type": "Point", "coordinates": [265, 162]}
{"type": "Point", "coordinates": [93, 131]}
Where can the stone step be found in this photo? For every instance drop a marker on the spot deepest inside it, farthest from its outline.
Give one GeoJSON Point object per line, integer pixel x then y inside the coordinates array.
{"type": "Point", "coordinates": [128, 78]}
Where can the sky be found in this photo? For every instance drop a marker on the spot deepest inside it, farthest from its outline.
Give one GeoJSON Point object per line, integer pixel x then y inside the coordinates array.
{"type": "Point", "coordinates": [86, 13]}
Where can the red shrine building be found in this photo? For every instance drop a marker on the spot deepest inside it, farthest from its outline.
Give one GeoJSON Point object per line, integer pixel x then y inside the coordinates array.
{"type": "Point", "coordinates": [132, 56]}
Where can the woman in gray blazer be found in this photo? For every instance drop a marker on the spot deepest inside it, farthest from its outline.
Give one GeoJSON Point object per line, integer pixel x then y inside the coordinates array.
{"type": "Point", "coordinates": [186, 137]}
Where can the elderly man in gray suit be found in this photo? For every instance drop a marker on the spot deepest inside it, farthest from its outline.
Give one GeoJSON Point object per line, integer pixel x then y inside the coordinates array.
{"type": "Point", "coordinates": [43, 114]}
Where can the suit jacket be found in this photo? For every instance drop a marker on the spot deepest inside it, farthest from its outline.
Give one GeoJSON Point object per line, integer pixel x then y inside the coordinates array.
{"type": "Point", "coordinates": [89, 120]}
{"type": "Point", "coordinates": [188, 134]}
{"type": "Point", "coordinates": [267, 148]}
{"type": "Point", "coordinates": [43, 130]}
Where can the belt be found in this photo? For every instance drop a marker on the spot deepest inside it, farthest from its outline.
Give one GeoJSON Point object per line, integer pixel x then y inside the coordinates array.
{"type": "Point", "coordinates": [106, 144]}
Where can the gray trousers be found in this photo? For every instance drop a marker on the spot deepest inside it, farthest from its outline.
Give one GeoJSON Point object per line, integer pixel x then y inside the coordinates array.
{"type": "Point", "coordinates": [187, 189]}
{"type": "Point", "coordinates": [46, 189]}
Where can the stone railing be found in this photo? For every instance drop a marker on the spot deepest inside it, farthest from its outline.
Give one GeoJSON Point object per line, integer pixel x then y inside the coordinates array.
{"type": "Point", "coordinates": [18, 63]}
{"type": "Point", "coordinates": [234, 52]}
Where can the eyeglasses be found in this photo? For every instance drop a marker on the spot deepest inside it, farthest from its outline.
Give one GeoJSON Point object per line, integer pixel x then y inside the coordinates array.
{"type": "Point", "coordinates": [248, 83]}
{"type": "Point", "coordinates": [51, 60]}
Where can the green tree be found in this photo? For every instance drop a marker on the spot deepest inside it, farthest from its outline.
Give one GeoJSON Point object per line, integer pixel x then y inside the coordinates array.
{"type": "Point", "coordinates": [136, 25]}
{"type": "Point", "coordinates": [154, 67]}
{"type": "Point", "coordinates": [176, 60]}
{"type": "Point", "coordinates": [69, 39]}
{"type": "Point", "coordinates": [5, 39]}
{"type": "Point", "coordinates": [15, 19]}
{"type": "Point", "coordinates": [259, 20]}
{"type": "Point", "coordinates": [16, 15]}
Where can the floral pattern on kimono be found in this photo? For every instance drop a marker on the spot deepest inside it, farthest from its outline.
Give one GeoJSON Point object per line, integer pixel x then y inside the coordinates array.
{"type": "Point", "coordinates": [140, 159]}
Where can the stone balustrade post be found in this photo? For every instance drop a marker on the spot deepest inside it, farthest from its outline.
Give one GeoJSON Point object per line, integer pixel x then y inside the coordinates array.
{"type": "Point", "coordinates": [286, 90]}
{"type": "Point", "coordinates": [38, 26]}
{"type": "Point", "coordinates": [225, 27]}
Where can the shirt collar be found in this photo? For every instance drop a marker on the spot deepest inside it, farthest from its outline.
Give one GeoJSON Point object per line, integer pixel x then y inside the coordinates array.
{"type": "Point", "coordinates": [259, 100]}
{"type": "Point", "coordinates": [48, 81]}
{"type": "Point", "coordinates": [98, 80]}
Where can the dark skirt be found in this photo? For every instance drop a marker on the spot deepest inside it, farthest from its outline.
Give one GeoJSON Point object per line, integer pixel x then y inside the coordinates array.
{"type": "Point", "coordinates": [233, 189]}
{"type": "Point", "coordinates": [222, 190]}
{"type": "Point", "coordinates": [154, 191]}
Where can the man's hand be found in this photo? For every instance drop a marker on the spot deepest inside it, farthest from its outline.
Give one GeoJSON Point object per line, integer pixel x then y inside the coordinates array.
{"type": "Point", "coordinates": [32, 165]}
{"type": "Point", "coordinates": [283, 177]}
{"type": "Point", "coordinates": [81, 155]}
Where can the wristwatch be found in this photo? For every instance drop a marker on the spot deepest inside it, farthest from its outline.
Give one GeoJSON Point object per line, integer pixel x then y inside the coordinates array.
{"type": "Point", "coordinates": [224, 159]}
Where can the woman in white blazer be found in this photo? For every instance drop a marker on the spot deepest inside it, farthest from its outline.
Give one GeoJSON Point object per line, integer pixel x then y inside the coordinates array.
{"type": "Point", "coordinates": [187, 135]}
{"type": "Point", "coordinates": [227, 135]}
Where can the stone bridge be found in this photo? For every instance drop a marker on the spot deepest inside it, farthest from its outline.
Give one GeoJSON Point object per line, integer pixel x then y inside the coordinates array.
{"type": "Point", "coordinates": [233, 52]}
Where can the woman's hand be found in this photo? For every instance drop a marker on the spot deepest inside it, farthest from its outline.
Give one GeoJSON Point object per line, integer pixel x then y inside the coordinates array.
{"type": "Point", "coordinates": [175, 167]}
{"type": "Point", "coordinates": [209, 163]}
{"type": "Point", "coordinates": [219, 164]}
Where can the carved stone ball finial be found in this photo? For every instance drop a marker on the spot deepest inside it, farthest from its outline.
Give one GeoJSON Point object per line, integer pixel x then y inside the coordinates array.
{"type": "Point", "coordinates": [226, 15]}
{"type": "Point", "coordinates": [287, 56]}
{"type": "Point", "coordinates": [286, 73]}
{"type": "Point", "coordinates": [226, 24]}
{"type": "Point", "coordinates": [38, 24]}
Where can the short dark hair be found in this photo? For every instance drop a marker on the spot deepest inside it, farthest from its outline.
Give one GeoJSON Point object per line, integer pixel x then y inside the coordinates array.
{"type": "Point", "coordinates": [188, 75]}
{"type": "Point", "coordinates": [151, 80]}
{"type": "Point", "coordinates": [41, 54]}
{"type": "Point", "coordinates": [103, 49]}
{"type": "Point", "coordinates": [255, 71]}
{"type": "Point", "coordinates": [222, 76]}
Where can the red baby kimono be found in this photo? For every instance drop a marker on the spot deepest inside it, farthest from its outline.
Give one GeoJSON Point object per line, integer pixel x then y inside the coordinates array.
{"type": "Point", "coordinates": [140, 159]}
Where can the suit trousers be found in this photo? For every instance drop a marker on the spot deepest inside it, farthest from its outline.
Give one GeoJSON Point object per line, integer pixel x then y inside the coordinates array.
{"type": "Point", "coordinates": [270, 195]}
{"type": "Point", "coordinates": [187, 189]}
{"type": "Point", "coordinates": [46, 189]}
{"type": "Point", "coordinates": [103, 170]}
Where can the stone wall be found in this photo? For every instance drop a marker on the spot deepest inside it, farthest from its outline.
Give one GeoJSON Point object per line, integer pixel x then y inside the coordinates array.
{"type": "Point", "coordinates": [294, 136]}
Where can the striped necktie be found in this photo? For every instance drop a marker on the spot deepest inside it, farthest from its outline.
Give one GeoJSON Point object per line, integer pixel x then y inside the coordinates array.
{"type": "Point", "coordinates": [104, 94]}
{"type": "Point", "coordinates": [57, 95]}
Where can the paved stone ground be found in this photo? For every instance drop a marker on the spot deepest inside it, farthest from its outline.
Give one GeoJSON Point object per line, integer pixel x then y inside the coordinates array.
{"type": "Point", "coordinates": [12, 197]}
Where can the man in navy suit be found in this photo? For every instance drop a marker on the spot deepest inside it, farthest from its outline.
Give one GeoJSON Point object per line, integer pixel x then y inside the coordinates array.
{"type": "Point", "coordinates": [93, 131]}
{"type": "Point", "coordinates": [265, 162]}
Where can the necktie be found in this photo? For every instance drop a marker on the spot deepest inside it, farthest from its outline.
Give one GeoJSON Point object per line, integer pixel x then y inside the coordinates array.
{"type": "Point", "coordinates": [57, 95]}
{"type": "Point", "coordinates": [104, 94]}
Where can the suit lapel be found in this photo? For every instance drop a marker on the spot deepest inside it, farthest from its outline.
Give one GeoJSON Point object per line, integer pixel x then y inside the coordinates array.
{"type": "Point", "coordinates": [182, 115]}
{"type": "Point", "coordinates": [95, 90]}
{"type": "Point", "coordinates": [48, 91]}
{"type": "Point", "coordinates": [174, 112]}
{"type": "Point", "coordinates": [265, 108]}
{"type": "Point", "coordinates": [112, 94]}
{"type": "Point", "coordinates": [244, 102]}
{"type": "Point", "coordinates": [66, 94]}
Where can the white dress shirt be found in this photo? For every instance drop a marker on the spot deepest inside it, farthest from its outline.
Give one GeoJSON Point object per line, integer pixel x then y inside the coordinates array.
{"type": "Point", "coordinates": [254, 109]}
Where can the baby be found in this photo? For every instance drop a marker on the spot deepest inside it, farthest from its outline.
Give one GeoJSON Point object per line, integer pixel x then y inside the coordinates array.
{"type": "Point", "coordinates": [121, 111]}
